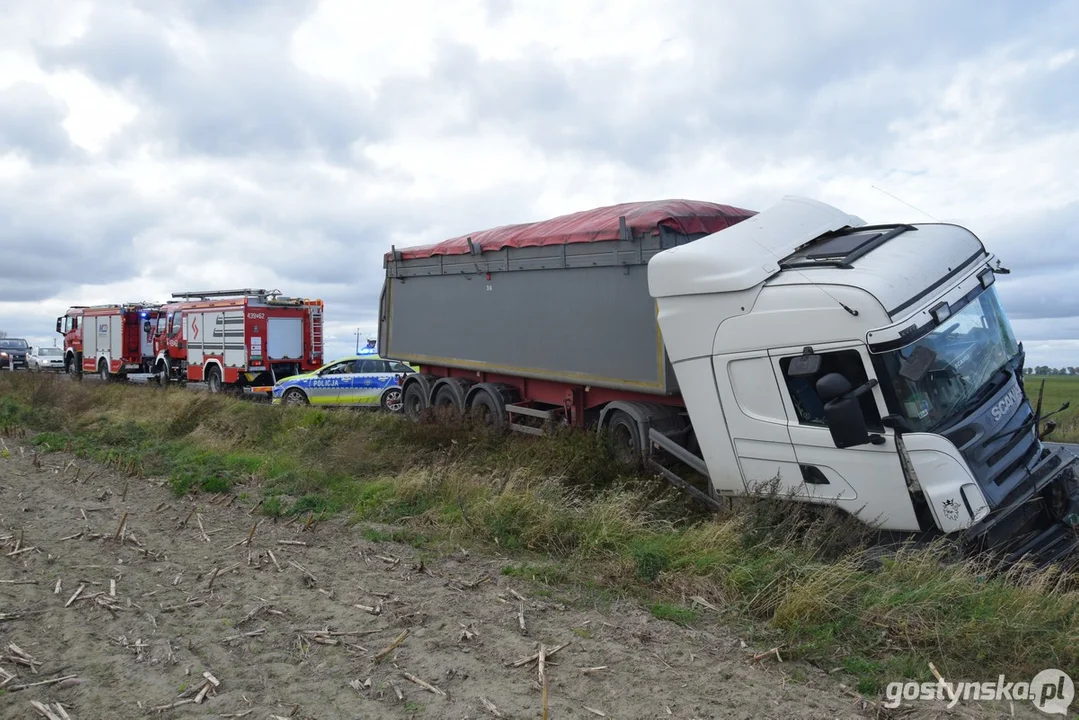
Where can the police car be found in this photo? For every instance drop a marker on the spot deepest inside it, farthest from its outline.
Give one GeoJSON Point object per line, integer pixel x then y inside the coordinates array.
{"type": "Point", "coordinates": [364, 380]}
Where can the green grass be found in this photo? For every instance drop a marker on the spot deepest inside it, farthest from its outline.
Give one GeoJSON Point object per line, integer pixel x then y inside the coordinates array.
{"type": "Point", "coordinates": [570, 520]}
{"type": "Point", "coordinates": [1058, 390]}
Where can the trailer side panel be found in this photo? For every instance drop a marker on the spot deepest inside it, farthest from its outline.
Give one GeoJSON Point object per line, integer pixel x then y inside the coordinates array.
{"type": "Point", "coordinates": [589, 325]}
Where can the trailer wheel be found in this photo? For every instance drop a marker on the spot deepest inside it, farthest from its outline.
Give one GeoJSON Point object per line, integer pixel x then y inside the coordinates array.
{"type": "Point", "coordinates": [487, 408]}
{"type": "Point", "coordinates": [213, 379]}
{"type": "Point", "coordinates": [624, 438]}
{"type": "Point", "coordinates": [445, 397]}
{"type": "Point", "coordinates": [414, 401]}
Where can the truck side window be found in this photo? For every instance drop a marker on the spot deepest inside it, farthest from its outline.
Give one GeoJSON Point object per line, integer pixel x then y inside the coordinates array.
{"type": "Point", "coordinates": [803, 391]}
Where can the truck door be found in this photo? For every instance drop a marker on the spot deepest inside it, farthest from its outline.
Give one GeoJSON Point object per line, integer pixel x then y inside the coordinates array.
{"type": "Point", "coordinates": [866, 480]}
{"type": "Point", "coordinates": [757, 423]}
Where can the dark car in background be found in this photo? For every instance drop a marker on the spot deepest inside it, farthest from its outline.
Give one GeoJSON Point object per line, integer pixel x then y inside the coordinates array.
{"type": "Point", "coordinates": [13, 353]}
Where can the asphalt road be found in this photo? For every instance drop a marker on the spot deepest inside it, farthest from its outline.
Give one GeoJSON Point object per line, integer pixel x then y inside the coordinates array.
{"type": "Point", "coordinates": [1073, 447]}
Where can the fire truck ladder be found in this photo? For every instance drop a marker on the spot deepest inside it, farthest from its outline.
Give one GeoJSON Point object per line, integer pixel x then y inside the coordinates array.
{"type": "Point", "coordinates": [316, 331]}
{"type": "Point", "coordinates": [219, 294]}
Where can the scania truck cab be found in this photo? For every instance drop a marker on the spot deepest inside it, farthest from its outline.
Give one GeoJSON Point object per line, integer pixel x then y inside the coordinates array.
{"type": "Point", "coordinates": [869, 367]}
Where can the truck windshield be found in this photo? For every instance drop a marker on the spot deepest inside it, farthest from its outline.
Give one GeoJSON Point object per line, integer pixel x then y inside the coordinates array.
{"type": "Point", "coordinates": [970, 347]}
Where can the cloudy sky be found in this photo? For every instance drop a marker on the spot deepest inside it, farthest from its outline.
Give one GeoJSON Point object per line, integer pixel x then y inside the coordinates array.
{"type": "Point", "coordinates": [152, 146]}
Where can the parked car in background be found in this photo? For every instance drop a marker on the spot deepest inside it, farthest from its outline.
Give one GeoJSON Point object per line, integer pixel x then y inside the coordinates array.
{"type": "Point", "coordinates": [46, 358]}
{"type": "Point", "coordinates": [13, 353]}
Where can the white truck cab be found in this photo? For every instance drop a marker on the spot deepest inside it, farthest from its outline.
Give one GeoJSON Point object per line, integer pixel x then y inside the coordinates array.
{"type": "Point", "coordinates": [870, 367]}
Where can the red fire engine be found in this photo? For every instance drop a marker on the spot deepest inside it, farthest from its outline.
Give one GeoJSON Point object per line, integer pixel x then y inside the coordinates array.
{"type": "Point", "coordinates": [110, 340]}
{"type": "Point", "coordinates": [237, 338]}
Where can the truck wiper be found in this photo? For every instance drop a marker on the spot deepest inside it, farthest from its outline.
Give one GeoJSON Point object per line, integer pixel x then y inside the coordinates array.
{"type": "Point", "coordinates": [990, 387]}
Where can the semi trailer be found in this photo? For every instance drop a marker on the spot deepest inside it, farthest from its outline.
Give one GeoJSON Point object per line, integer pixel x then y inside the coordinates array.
{"type": "Point", "coordinates": [867, 367]}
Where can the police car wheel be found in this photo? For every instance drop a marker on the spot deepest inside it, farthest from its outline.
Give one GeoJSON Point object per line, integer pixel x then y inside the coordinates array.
{"type": "Point", "coordinates": [392, 401]}
{"type": "Point", "coordinates": [295, 397]}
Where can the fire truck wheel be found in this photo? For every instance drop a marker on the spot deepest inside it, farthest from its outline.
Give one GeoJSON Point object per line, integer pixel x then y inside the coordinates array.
{"type": "Point", "coordinates": [103, 371]}
{"type": "Point", "coordinates": [295, 397]}
{"type": "Point", "coordinates": [213, 379]}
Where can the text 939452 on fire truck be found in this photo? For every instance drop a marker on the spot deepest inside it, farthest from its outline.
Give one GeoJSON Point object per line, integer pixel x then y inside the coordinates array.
{"type": "Point", "coordinates": [229, 339]}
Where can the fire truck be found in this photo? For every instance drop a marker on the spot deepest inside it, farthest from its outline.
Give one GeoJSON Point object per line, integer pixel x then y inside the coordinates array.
{"type": "Point", "coordinates": [236, 339]}
{"type": "Point", "coordinates": [113, 340]}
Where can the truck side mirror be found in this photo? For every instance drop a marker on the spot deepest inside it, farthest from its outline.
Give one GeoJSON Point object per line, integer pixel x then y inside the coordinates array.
{"type": "Point", "coordinates": [842, 410]}
{"type": "Point", "coordinates": [59, 322]}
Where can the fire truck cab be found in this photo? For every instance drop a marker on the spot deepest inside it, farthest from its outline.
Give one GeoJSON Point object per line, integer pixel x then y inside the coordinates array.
{"type": "Point", "coordinates": [69, 325]}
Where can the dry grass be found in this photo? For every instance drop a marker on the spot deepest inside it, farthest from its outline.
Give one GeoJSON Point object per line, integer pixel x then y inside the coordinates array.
{"type": "Point", "coordinates": [573, 520]}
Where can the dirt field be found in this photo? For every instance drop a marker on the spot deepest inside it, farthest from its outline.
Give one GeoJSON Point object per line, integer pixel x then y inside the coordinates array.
{"type": "Point", "coordinates": [299, 623]}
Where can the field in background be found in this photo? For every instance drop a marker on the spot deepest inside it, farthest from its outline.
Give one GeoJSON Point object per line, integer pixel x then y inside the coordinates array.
{"type": "Point", "coordinates": [1058, 390]}
{"type": "Point", "coordinates": [570, 520]}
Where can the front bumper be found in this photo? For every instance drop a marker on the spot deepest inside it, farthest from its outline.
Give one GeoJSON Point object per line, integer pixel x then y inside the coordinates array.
{"type": "Point", "coordinates": [260, 391]}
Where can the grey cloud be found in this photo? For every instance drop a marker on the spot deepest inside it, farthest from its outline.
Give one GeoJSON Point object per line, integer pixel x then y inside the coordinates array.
{"type": "Point", "coordinates": [1027, 330]}
{"type": "Point", "coordinates": [265, 15]}
{"type": "Point", "coordinates": [1046, 296]}
{"type": "Point", "coordinates": [30, 123]}
{"type": "Point", "coordinates": [245, 98]}
{"type": "Point", "coordinates": [827, 83]}
{"type": "Point", "coordinates": [1032, 244]}
{"type": "Point", "coordinates": [61, 229]}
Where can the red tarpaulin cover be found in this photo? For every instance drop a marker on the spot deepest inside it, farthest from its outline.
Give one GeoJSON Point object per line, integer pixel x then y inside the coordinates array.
{"type": "Point", "coordinates": [688, 217]}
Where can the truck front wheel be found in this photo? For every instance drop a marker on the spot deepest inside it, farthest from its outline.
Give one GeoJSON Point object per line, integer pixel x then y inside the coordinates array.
{"type": "Point", "coordinates": [624, 438]}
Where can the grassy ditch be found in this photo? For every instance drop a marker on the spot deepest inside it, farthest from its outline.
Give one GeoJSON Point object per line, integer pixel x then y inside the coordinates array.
{"type": "Point", "coordinates": [572, 520]}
